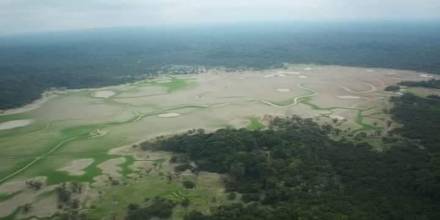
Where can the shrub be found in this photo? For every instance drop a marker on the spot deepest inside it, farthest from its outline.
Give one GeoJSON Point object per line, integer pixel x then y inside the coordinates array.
{"type": "Point", "coordinates": [188, 184]}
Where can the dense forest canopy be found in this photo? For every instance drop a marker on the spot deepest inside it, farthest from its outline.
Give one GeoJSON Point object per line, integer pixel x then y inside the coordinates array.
{"type": "Point", "coordinates": [294, 170]}
{"type": "Point", "coordinates": [31, 64]}
{"type": "Point", "coordinates": [433, 83]}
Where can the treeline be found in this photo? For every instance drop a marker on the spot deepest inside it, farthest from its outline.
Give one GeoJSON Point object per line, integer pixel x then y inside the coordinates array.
{"type": "Point", "coordinates": [19, 87]}
{"type": "Point", "coordinates": [433, 83]}
{"type": "Point", "coordinates": [30, 65]}
{"type": "Point", "coordinates": [420, 118]}
{"type": "Point", "coordinates": [293, 170]}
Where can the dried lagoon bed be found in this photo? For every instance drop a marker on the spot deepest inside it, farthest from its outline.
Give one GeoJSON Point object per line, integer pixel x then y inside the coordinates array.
{"type": "Point", "coordinates": [78, 124]}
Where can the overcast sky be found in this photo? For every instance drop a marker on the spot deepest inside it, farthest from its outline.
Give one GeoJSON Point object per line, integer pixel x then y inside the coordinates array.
{"type": "Point", "coordinates": [52, 15]}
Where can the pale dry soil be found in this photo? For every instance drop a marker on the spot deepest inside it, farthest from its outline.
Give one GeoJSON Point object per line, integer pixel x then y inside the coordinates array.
{"type": "Point", "coordinates": [104, 94]}
{"type": "Point", "coordinates": [112, 167]}
{"type": "Point", "coordinates": [76, 167]}
{"type": "Point", "coordinates": [15, 124]}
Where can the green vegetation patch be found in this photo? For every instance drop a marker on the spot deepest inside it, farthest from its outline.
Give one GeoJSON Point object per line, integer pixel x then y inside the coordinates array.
{"type": "Point", "coordinates": [308, 101]}
{"type": "Point", "coordinates": [117, 198]}
{"type": "Point", "coordinates": [175, 84]}
{"type": "Point", "coordinates": [6, 196]}
{"type": "Point", "coordinates": [360, 120]}
{"type": "Point", "coordinates": [255, 124]}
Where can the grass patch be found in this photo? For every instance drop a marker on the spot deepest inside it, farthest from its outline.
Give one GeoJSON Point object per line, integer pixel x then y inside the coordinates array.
{"type": "Point", "coordinates": [364, 126]}
{"type": "Point", "coordinates": [360, 117]}
{"type": "Point", "coordinates": [55, 177]}
{"type": "Point", "coordinates": [307, 101]}
{"type": "Point", "coordinates": [68, 135]}
{"type": "Point", "coordinates": [174, 85]}
{"type": "Point", "coordinates": [92, 171]}
{"type": "Point", "coordinates": [208, 192]}
{"type": "Point", "coordinates": [12, 117]}
{"type": "Point", "coordinates": [117, 198]}
{"type": "Point", "coordinates": [6, 196]}
{"type": "Point", "coordinates": [255, 124]}
{"type": "Point", "coordinates": [125, 167]}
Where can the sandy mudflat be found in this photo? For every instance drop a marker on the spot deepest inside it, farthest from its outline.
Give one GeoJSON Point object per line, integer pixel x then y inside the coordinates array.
{"type": "Point", "coordinates": [163, 80]}
{"type": "Point", "coordinates": [43, 207]}
{"type": "Point", "coordinates": [372, 89]}
{"type": "Point", "coordinates": [426, 76]}
{"type": "Point", "coordinates": [283, 90]}
{"type": "Point", "coordinates": [274, 75]}
{"type": "Point", "coordinates": [302, 77]}
{"type": "Point", "coordinates": [293, 73]}
{"type": "Point", "coordinates": [111, 167]}
{"type": "Point", "coordinates": [348, 97]}
{"type": "Point", "coordinates": [15, 124]}
{"type": "Point", "coordinates": [169, 115]}
{"type": "Point", "coordinates": [12, 187]}
{"type": "Point", "coordinates": [104, 94]}
{"type": "Point", "coordinates": [98, 133]}
{"type": "Point", "coordinates": [24, 194]}
{"type": "Point", "coordinates": [338, 117]}
{"type": "Point", "coordinates": [76, 167]}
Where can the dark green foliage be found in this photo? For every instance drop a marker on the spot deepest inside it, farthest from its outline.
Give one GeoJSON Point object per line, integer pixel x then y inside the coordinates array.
{"type": "Point", "coordinates": [70, 215]}
{"type": "Point", "coordinates": [195, 215]}
{"type": "Point", "coordinates": [157, 208]}
{"type": "Point", "coordinates": [433, 97]}
{"type": "Point", "coordinates": [34, 184]}
{"type": "Point", "coordinates": [30, 65]}
{"type": "Point", "coordinates": [293, 170]}
{"type": "Point", "coordinates": [26, 208]}
{"type": "Point", "coordinates": [64, 195]}
{"type": "Point", "coordinates": [392, 88]}
{"type": "Point", "coordinates": [185, 202]}
{"type": "Point", "coordinates": [232, 195]}
{"type": "Point", "coordinates": [420, 118]}
{"type": "Point", "coordinates": [433, 83]}
{"type": "Point", "coordinates": [188, 184]}
{"type": "Point", "coordinates": [250, 197]}
{"type": "Point", "coordinates": [182, 167]}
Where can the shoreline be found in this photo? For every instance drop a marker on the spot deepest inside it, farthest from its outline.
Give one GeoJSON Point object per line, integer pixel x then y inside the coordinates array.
{"type": "Point", "coordinates": [45, 97]}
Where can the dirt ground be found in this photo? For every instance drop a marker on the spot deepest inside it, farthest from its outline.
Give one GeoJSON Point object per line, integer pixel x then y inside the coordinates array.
{"type": "Point", "coordinates": [76, 167]}
{"type": "Point", "coordinates": [15, 124]}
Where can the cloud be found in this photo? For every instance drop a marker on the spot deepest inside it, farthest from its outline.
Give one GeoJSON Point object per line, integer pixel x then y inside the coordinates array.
{"type": "Point", "coordinates": [44, 15]}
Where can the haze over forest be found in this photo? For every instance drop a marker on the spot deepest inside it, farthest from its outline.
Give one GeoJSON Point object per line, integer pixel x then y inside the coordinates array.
{"type": "Point", "coordinates": [19, 16]}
